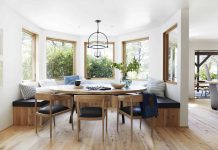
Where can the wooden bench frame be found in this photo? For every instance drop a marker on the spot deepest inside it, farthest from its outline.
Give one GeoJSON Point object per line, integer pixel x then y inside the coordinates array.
{"type": "Point", "coordinates": [25, 116]}
{"type": "Point", "coordinates": [168, 117]}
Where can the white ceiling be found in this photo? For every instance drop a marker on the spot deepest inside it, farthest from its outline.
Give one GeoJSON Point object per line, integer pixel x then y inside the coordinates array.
{"type": "Point", "coordinates": [203, 19]}
{"type": "Point", "coordinates": [77, 16]}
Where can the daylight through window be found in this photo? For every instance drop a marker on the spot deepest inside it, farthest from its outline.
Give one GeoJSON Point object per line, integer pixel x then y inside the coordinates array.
{"type": "Point", "coordinates": [139, 49]}
{"type": "Point", "coordinates": [60, 58]}
{"type": "Point", "coordinates": [170, 54]}
{"type": "Point", "coordinates": [99, 67]}
{"type": "Point", "coordinates": [28, 55]}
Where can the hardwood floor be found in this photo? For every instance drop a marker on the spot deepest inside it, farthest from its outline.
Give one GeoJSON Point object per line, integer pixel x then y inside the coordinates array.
{"type": "Point", "coordinates": [202, 134]}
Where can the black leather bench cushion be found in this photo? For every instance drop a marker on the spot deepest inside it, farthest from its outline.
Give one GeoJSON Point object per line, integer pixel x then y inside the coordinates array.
{"type": "Point", "coordinates": [136, 110]}
{"type": "Point", "coordinates": [54, 109]}
{"type": "Point", "coordinates": [29, 103]}
{"type": "Point", "coordinates": [167, 103]}
{"type": "Point", "coordinates": [91, 112]}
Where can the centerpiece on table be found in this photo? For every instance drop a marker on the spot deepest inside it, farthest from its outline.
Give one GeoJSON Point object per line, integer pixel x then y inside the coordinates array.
{"type": "Point", "coordinates": [134, 65]}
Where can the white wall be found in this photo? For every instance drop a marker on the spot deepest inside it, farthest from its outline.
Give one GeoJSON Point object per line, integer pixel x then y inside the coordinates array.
{"type": "Point", "coordinates": [12, 35]}
{"type": "Point", "coordinates": [179, 92]}
{"type": "Point", "coordinates": [197, 45]}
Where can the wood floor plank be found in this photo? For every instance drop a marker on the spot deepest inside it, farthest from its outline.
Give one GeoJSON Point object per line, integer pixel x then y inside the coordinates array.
{"type": "Point", "coordinates": [201, 135]}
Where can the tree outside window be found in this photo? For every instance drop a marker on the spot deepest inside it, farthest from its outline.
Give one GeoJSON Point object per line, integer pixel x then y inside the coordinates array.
{"type": "Point", "coordinates": [60, 58]}
{"type": "Point", "coordinates": [139, 49]}
{"type": "Point", "coordinates": [96, 68]}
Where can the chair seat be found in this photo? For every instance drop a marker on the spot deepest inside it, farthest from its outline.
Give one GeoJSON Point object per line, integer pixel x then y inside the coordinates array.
{"type": "Point", "coordinates": [55, 109]}
{"type": "Point", "coordinates": [91, 112]}
{"type": "Point", "coordinates": [136, 110]}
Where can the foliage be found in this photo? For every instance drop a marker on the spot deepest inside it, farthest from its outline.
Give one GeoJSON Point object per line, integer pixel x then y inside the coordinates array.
{"type": "Point", "coordinates": [213, 76]}
{"type": "Point", "coordinates": [99, 67]}
{"type": "Point", "coordinates": [134, 65]}
{"type": "Point", "coordinates": [139, 50]}
{"type": "Point", "coordinates": [59, 61]}
{"type": "Point", "coordinates": [203, 75]}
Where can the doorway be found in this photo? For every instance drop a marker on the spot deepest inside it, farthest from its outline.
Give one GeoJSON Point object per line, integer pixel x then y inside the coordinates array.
{"type": "Point", "coordinates": [202, 58]}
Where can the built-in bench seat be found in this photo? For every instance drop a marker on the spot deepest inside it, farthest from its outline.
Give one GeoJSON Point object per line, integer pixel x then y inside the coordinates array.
{"type": "Point", "coordinates": [164, 102]}
{"type": "Point", "coordinates": [169, 111]}
{"type": "Point", "coordinates": [24, 112]}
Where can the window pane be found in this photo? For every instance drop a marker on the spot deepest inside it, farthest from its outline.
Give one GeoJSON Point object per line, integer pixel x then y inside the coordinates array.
{"type": "Point", "coordinates": [99, 67]}
{"type": "Point", "coordinates": [139, 50]}
{"type": "Point", "coordinates": [172, 55]}
{"type": "Point", "coordinates": [60, 56]}
{"type": "Point", "coordinates": [28, 42]}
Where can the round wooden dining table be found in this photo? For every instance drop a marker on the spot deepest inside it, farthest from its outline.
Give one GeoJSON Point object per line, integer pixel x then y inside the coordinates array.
{"type": "Point", "coordinates": [82, 90]}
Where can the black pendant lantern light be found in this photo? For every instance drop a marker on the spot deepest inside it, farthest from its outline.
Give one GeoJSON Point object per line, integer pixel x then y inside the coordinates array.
{"type": "Point", "coordinates": [97, 41]}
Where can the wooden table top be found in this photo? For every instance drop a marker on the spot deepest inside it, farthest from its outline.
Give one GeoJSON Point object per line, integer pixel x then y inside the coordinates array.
{"type": "Point", "coordinates": [71, 89]}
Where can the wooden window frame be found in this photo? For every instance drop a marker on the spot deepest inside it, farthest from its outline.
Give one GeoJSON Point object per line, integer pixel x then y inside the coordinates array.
{"type": "Point", "coordinates": [165, 54]}
{"type": "Point", "coordinates": [124, 50]}
{"type": "Point", "coordinates": [67, 41]}
{"type": "Point", "coordinates": [34, 36]}
{"type": "Point", "coordinates": [85, 60]}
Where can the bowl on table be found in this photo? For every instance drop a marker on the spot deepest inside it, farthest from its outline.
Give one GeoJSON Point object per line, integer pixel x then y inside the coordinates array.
{"type": "Point", "coordinates": [117, 85]}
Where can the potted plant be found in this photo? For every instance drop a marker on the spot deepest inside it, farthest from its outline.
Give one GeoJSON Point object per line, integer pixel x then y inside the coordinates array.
{"type": "Point", "coordinates": [134, 65]}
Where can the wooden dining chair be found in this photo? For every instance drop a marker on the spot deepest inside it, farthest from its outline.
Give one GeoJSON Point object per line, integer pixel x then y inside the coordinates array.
{"type": "Point", "coordinates": [132, 110]}
{"type": "Point", "coordinates": [53, 108]}
{"type": "Point", "coordinates": [91, 107]}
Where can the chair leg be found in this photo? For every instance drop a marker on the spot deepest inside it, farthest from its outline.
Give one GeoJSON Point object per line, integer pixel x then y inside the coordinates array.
{"type": "Point", "coordinates": [118, 114]}
{"type": "Point", "coordinates": [131, 128]}
{"type": "Point", "coordinates": [103, 130]}
{"type": "Point", "coordinates": [36, 123]}
{"type": "Point", "coordinates": [78, 128]}
{"type": "Point", "coordinates": [117, 120]}
{"type": "Point", "coordinates": [140, 124]}
{"type": "Point", "coordinates": [50, 120]}
{"type": "Point", "coordinates": [106, 120]}
{"type": "Point", "coordinates": [54, 120]}
{"type": "Point", "coordinates": [75, 106]}
{"type": "Point", "coordinates": [79, 125]}
{"type": "Point", "coordinates": [152, 127]}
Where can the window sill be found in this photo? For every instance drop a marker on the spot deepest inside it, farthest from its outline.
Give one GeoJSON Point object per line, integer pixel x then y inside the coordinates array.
{"type": "Point", "coordinates": [100, 78]}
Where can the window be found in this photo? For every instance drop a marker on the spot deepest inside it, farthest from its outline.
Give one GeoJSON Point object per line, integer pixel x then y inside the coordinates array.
{"type": "Point", "coordinates": [28, 55]}
{"type": "Point", "coordinates": [139, 49]}
{"type": "Point", "coordinates": [60, 58]}
{"type": "Point", "coordinates": [99, 67]}
{"type": "Point", "coordinates": [170, 42]}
